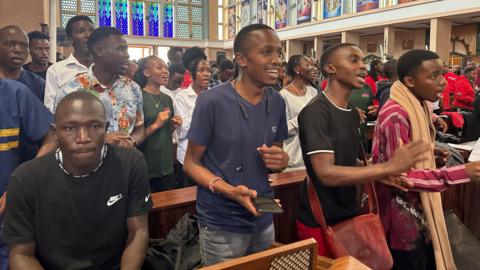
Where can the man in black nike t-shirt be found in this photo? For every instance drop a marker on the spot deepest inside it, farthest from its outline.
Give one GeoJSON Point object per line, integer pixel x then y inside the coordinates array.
{"type": "Point", "coordinates": [83, 206]}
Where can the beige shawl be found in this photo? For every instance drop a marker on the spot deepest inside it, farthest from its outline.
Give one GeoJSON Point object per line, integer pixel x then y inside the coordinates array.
{"type": "Point", "coordinates": [422, 129]}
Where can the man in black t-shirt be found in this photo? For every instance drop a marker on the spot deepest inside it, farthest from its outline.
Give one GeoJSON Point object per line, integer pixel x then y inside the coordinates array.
{"type": "Point", "coordinates": [83, 206]}
{"type": "Point", "coordinates": [329, 138]}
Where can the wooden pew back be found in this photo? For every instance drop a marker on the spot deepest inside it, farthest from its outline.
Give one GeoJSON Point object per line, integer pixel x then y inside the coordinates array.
{"type": "Point", "coordinates": [295, 256]}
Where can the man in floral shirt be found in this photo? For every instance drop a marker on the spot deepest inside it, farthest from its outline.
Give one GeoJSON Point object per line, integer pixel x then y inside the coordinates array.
{"type": "Point", "coordinates": [121, 96]}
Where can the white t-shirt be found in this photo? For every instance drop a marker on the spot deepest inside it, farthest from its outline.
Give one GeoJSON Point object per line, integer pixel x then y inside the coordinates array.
{"type": "Point", "coordinates": [294, 104]}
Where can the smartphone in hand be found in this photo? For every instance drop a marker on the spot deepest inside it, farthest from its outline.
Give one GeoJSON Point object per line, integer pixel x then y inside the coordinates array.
{"type": "Point", "coordinates": [267, 205]}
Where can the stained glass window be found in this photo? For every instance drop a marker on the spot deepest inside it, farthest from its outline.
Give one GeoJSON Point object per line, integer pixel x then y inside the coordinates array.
{"type": "Point", "coordinates": [70, 8]}
{"type": "Point", "coordinates": [137, 18]}
{"type": "Point", "coordinates": [168, 20]}
{"type": "Point", "coordinates": [121, 15]}
{"type": "Point", "coordinates": [152, 17]}
{"type": "Point", "coordinates": [87, 6]}
{"type": "Point", "coordinates": [105, 12]}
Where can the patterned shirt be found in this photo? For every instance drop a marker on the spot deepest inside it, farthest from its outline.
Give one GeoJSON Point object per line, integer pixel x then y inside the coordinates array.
{"type": "Point", "coordinates": [401, 212]}
{"type": "Point", "coordinates": [123, 101]}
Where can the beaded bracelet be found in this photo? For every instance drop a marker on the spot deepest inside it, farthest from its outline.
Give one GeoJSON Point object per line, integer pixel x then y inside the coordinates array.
{"type": "Point", "coordinates": [211, 184]}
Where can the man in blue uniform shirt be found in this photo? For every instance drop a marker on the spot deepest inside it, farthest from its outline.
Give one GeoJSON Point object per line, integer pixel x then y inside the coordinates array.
{"type": "Point", "coordinates": [21, 115]}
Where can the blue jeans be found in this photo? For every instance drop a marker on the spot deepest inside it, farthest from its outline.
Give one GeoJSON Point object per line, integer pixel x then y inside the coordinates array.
{"type": "Point", "coordinates": [219, 246]}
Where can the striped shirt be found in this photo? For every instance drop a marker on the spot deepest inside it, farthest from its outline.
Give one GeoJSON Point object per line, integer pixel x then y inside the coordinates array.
{"type": "Point", "coordinates": [401, 212]}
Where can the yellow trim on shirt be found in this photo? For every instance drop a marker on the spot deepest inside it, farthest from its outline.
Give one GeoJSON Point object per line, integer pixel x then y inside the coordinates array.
{"type": "Point", "coordinates": [9, 145]}
{"type": "Point", "coordinates": [7, 132]}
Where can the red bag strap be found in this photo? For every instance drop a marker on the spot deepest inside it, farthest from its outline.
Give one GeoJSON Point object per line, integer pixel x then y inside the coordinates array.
{"type": "Point", "coordinates": [316, 207]}
{"type": "Point", "coordinates": [315, 204]}
{"type": "Point", "coordinates": [369, 187]}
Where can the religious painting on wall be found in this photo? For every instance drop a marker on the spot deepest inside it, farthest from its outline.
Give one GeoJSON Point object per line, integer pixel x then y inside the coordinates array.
{"type": "Point", "coordinates": [371, 47]}
{"type": "Point", "coordinates": [304, 11]}
{"type": "Point", "coordinates": [364, 5]}
{"type": "Point", "coordinates": [232, 21]}
{"type": "Point", "coordinates": [281, 14]}
{"type": "Point", "coordinates": [262, 11]}
{"type": "Point", "coordinates": [245, 15]}
{"type": "Point", "coordinates": [332, 8]}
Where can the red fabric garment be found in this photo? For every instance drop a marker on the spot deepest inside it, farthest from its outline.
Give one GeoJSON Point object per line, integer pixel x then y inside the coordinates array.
{"type": "Point", "coordinates": [305, 232]}
{"type": "Point", "coordinates": [401, 212]}
{"type": "Point", "coordinates": [477, 78]}
{"type": "Point", "coordinates": [449, 90]}
{"type": "Point", "coordinates": [456, 117]}
{"type": "Point", "coordinates": [324, 84]}
{"type": "Point", "coordinates": [373, 86]}
{"type": "Point", "coordinates": [187, 80]}
{"type": "Point", "coordinates": [464, 94]}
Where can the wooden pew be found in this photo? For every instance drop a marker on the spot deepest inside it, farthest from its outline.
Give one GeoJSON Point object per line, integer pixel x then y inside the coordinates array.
{"type": "Point", "coordinates": [170, 206]}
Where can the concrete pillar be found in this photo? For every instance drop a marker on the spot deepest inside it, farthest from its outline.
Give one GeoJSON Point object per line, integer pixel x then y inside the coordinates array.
{"type": "Point", "coordinates": [318, 46]}
{"type": "Point", "coordinates": [293, 47]}
{"type": "Point", "coordinates": [351, 37]}
{"type": "Point", "coordinates": [440, 37]}
{"type": "Point", "coordinates": [388, 41]}
{"type": "Point", "coordinates": [213, 19]}
{"type": "Point", "coordinates": [53, 31]}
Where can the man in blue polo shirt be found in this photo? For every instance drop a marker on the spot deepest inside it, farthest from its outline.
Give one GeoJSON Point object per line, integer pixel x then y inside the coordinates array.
{"type": "Point", "coordinates": [235, 137]}
{"type": "Point", "coordinates": [21, 115]}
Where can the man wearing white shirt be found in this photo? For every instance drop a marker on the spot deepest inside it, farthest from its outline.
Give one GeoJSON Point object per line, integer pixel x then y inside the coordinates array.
{"type": "Point", "coordinates": [78, 30]}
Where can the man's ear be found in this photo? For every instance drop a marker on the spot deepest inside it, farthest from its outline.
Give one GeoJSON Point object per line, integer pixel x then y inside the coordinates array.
{"type": "Point", "coordinates": [240, 59]}
{"type": "Point", "coordinates": [329, 68]}
{"type": "Point", "coordinates": [409, 81]}
{"type": "Point", "coordinates": [98, 51]}
{"type": "Point", "coordinates": [53, 128]}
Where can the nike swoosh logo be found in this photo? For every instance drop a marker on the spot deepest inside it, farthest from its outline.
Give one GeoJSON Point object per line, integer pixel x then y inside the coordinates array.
{"type": "Point", "coordinates": [147, 197]}
{"type": "Point", "coordinates": [114, 199]}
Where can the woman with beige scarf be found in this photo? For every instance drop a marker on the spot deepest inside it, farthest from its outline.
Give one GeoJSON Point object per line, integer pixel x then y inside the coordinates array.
{"type": "Point", "coordinates": [413, 221]}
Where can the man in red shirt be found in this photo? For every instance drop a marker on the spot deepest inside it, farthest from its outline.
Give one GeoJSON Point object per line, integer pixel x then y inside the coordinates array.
{"type": "Point", "coordinates": [449, 88]}
{"type": "Point", "coordinates": [464, 94]}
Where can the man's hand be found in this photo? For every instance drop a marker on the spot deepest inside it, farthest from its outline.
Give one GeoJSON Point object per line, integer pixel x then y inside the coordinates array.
{"type": "Point", "coordinates": [113, 137]}
{"type": "Point", "coordinates": [441, 156]}
{"type": "Point", "coordinates": [363, 116]}
{"type": "Point", "coordinates": [473, 170]}
{"type": "Point", "coordinates": [372, 111]}
{"type": "Point", "coordinates": [273, 157]}
{"type": "Point", "coordinates": [244, 196]}
{"type": "Point", "coordinates": [398, 181]}
{"type": "Point", "coordinates": [441, 125]}
{"type": "Point", "coordinates": [3, 201]}
{"type": "Point", "coordinates": [406, 156]}
{"type": "Point", "coordinates": [177, 121]}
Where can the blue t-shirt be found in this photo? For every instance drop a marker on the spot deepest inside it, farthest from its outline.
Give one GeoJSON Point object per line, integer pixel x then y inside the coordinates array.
{"type": "Point", "coordinates": [21, 114]}
{"type": "Point", "coordinates": [34, 82]}
{"type": "Point", "coordinates": [231, 129]}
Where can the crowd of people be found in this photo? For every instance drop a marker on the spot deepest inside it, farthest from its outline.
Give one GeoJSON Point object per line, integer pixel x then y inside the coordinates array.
{"type": "Point", "coordinates": [86, 140]}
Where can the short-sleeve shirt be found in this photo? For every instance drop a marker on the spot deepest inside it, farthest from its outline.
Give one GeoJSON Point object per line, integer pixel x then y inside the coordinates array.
{"type": "Point", "coordinates": [34, 82]}
{"type": "Point", "coordinates": [231, 129]}
{"type": "Point", "coordinates": [123, 101]}
{"type": "Point", "coordinates": [77, 223]}
{"type": "Point", "coordinates": [41, 74]}
{"type": "Point", "coordinates": [326, 128]}
{"type": "Point", "coordinates": [22, 117]}
{"type": "Point", "coordinates": [158, 147]}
